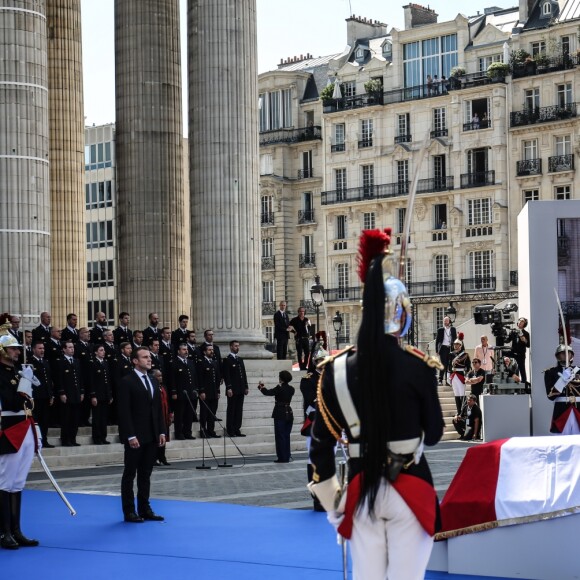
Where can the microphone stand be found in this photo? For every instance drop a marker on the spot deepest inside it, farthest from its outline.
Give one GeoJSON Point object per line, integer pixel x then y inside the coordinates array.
{"type": "Point", "coordinates": [203, 465]}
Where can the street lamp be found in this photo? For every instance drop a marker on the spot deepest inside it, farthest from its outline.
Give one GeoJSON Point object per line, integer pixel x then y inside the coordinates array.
{"type": "Point", "coordinates": [317, 297]}
{"type": "Point", "coordinates": [451, 312]}
{"type": "Point", "coordinates": [337, 323]}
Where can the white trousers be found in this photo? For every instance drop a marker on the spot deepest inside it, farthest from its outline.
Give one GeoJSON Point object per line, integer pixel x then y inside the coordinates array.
{"type": "Point", "coordinates": [14, 467]}
{"type": "Point", "coordinates": [458, 387]}
{"type": "Point", "coordinates": [393, 546]}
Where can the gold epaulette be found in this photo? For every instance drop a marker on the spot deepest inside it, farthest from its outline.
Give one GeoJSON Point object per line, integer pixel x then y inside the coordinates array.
{"type": "Point", "coordinates": [331, 423]}
{"type": "Point", "coordinates": [430, 361]}
{"type": "Point", "coordinates": [330, 358]}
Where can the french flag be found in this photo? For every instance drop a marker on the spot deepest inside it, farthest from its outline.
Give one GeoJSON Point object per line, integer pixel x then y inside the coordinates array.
{"type": "Point", "coordinates": [512, 481]}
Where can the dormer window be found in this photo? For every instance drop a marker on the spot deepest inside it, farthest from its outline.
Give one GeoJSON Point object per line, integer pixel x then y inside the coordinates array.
{"type": "Point", "coordinates": [387, 49]}
{"type": "Point", "coordinates": [547, 8]}
{"type": "Point", "coordinates": [360, 53]}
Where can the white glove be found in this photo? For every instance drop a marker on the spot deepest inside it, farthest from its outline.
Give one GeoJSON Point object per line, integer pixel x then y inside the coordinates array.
{"type": "Point", "coordinates": [565, 377]}
{"type": "Point", "coordinates": [27, 380]}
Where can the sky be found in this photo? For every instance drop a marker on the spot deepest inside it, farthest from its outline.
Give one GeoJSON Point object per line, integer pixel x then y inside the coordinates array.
{"type": "Point", "coordinates": [286, 28]}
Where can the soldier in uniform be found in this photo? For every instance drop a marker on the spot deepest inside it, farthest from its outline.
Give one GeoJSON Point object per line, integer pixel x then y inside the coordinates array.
{"type": "Point", "coordinates": [137, 339]}
{"type": "Point", "coordinates": [179, 335]}
{"type": "Point", "coordinates": [70, 331]}
{"type": "Point", "coordinates": [16, 450]}
{"type": "Point", "coordinates": [165, 351]}
{"type": "Point", "coordinates": [236, 383]}
{"type": "Point", "coordinates": [151, 331]}
{"type": "Point", "coordinates": [99, 327]}
{"type": "Point", "coordinates": [156, 361]}
{"type": "Point", "coordinates": [183, 380]}
{"type": "Point", "coordinates": [83, 353]}
{"type": "Point", "coordinates": [563, 389]}
{"type": "Point", "coordinates": [385, 399]}
{"type": "Point", "coordinates": [192, 352]}
{"type": "Point", "coordinates": [42, 393]}
{"type": "Point", "coordinates": [42, 331]}
{"type": "Point", "coordinates": [53, 348]}
{"type": "Point", "coordinates": [123, 333]}
{"type": "Point", "coordinates": [110, 347]}
{"type": "Point", "coordinates": [28, 345]}
{"type": "Point", "coordinates": [71, 394]}
{"type": "Point", "coordinates": [208, 381]}
{"type": "Point", "coordinates": [101, 395]}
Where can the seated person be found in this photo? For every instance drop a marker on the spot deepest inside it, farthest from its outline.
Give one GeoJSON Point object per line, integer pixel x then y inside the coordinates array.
{"type": "Point", "coordinates": [512, 371]}
{"type": "Point", "coordinates": [468, 424]}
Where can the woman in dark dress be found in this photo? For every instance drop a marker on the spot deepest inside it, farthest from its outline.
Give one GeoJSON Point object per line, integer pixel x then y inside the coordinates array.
{"type": "Point", "coordinates": [282, 414]}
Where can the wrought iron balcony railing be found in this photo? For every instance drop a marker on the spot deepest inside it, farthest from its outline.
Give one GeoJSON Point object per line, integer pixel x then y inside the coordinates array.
{"type": "Point", "coordinates": [349, 294]}
{"type": "Point", "coordinates": [476, 125]}
{"type": "Point", "coordinates": [562, 61]}
{"type": "Point", "coordinates": [291, 135]}
{"type": "Point", "coordinates": [364, 143]}
{"type": "Point", "coordinates": [543, 114]}
{"type": "Point", "coordinates": [435, 184]}
{"type": "Point", "coordinates": [305, 173]}
{"type": "Point", "coordinates": [353, 102]}
{"type": "Point", "coordinates": [439, 133]}
{"type": "Point", "coordinates": [307, 261]}
{"type": "Point", "coordinates": [486, 283]}
{"type": "Point", "coordinates": [338, 147]}
{"type": "Point", "coordinates": [529, 167]}
{"type": "Point", "coordinates": [431, 288]}
{"type": "Point", "coordinates": [310, 309]}
{"type": "Point", "coordinates": [305, 216]}
{"type": "Point", "coordinates": [267, 219]}
{"type": "Point", "coordinates": [268, 307]}
{"type": "Point", "coordinates": [477, 179]}
{"type": "Point", "coordinates": [365, 193]}
{"type": "Point", "coordinates": [403, 139]}
{"type": "Point", "coordinates": [561, 163]}
{"type": "Point", "coordinates": [268, 263]}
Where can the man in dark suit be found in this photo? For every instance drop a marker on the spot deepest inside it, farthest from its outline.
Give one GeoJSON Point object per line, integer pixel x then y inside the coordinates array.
{"type": "Point", "coordinates": [53, 348]}
{"type": "Point", "coordinates": [142, 430]}
{"type": "Point", "coordinates": [208, 381]}
{"type": "Point", "coordinates": [446, 336]}
{"type": "Point", "coordinates": [123, 333]}
{"type": "Point", "coordinates": [71, 394]}
{"type": "Point", "coordinates": [183, 373]}
{"type": "Point", "coordinates": [236, 383]}
{"type": "Point", "coordinates": [151, 331]}
{"type": "Point", "coordinates": [99, 327]}
{"type": "Point", "coordinates": [83, 353]}
{"type": "Point", "coordinates": [109, 344]}
{"type": "Point", "coordinates": [192, 352]}
{"type": "Point", "coordinates": [156, 361]}
{"type": "Point", "coordinates": [165, 350]}
{"type": "Point", "coordinates": [101, 394]}
{"type": "Point", "coordinates": [179, 335]}
{"type": "Point", "coordinates": [281, 323]}
{"type": "Point", "coordinates": [70, 332]}
{"type": "Point", "coordinates": [42, 331]}
{"type": "Point", "coordinates": [43, 393]}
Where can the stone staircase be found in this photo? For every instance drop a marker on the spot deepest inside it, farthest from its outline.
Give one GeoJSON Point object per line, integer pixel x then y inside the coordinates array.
{"type": "Point", "coordinates": [257, 425]}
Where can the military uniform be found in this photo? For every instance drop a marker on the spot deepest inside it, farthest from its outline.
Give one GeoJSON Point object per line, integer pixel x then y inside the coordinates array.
{"type": "Point", "coordinates": [97, 334]}
{"type": "Point", "coordinates": [235, 378]}
{"type": "Point", "coordinates": [100, 389]}
{"type": "Point", "coordinates": [43, 395]}
{"type": "Point", "coordinates": [69, 333]}
{"type": "Point", "coordinates": [178, 336]}
{"type": "Point", "coordinates": [165, 354]}
{"type": "Point", "coordinates": [122, 334]}
{"type": "Point", "coordinates": [149, 334]}
{"type": "Point", "coordinates": [41, 333]}
{"type": "Point", "coordinates": [83, 353]}
{"type": "Point", "coordinates": [183, 378]}
{"type": "Point", "coordinates": [69, 384]}
{"type": "Point", "coordinates": [566, 414]}
{"type": "Point", "coordinates": [208, 380]}
{"type": "Point", "coordinates": [192, 352]}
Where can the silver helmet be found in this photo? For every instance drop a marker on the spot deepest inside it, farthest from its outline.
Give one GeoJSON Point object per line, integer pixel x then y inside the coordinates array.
{"type": "Point", "coordinates": [398, 310]}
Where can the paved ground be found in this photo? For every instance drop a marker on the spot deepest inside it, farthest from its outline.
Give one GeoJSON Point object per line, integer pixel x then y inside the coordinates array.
{"type": "Point", "coordinates": [259, 482]}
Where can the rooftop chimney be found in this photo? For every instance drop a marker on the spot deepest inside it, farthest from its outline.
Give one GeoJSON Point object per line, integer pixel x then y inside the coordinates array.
{"type": "Point", "coordinates": [358, 27]}
{"type": "Point", "coordinates": [417, 15]}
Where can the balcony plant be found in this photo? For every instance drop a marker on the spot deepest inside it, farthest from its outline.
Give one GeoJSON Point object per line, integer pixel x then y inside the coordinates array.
{"type": "Point", "coordinates": [498, 70]}
{"type": "Point", "coordinates": [542, 61]}
{"type": "Point", "coordinates": [457, 71]}
{"type": "Point", "coordinates": [519, 56]}
{"type": "Point", "coordinates": [326, 95]}
{"type": "Point", "coordinates": [374, 87]}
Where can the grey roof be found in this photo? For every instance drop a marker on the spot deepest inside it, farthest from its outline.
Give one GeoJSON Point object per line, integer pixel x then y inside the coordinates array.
{"type": "Point", "coordinates": [307, 64]}
{"type": "Point", "coordinates": [317, 67]}
{"type": "Point", "coordinates": [538, 20]}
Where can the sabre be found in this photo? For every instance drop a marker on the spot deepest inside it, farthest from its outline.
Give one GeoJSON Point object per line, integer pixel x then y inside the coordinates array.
{"type": "Point", "coordinates": [342, 472]}
{"type": "Point", "coordinates": [563, 326]}
{"type": "Point", "coordinates": [54, 484]}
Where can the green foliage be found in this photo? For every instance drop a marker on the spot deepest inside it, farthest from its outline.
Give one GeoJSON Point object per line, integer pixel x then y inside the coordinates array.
{"type": "Point", "coordinates": [518, 56]}
{"type": "Point", "coordinates": [373, 86]}
{"type": "Point", "coordinates": [326, 93]}
{"type": "Point", "coordinates": [457, 71]}
{"type": "Point", "coordinates": [497, 70]}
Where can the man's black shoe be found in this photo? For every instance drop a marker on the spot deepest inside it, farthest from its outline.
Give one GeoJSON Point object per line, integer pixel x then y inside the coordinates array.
{"type": "Point", "coordinates": [133, 518]}
{"type": "Point", "coordinates": [180, 438]}
{"type": "Point", "coordinates": [238, 434]}
{"type": "Point", "coordinates": [189, 437]}
{"type": "Point", "coordinates": [151, 516]}
{"type": "Point", "coordinates": [215, 436]}
{"type": "Point", "coordinates": [47, 446]}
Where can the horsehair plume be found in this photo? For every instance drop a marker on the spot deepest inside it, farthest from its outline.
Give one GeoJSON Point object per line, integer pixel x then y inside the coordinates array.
{"type": "Point", "coordinates": [371, 244]}
{"type": "Point", "coordinates": [460, 336]}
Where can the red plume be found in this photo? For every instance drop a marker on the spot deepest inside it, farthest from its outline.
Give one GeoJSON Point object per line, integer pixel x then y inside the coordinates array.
{"type": "Point", "coordinates": [371, 243]}
{"type": "Point", "coordinates": [5, 318]}
{"type": "Point", "coordinates": [460, 336]}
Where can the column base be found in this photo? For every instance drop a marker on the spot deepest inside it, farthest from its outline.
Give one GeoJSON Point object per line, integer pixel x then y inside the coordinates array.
{"type": "Point", "coordinates": [251, 345]}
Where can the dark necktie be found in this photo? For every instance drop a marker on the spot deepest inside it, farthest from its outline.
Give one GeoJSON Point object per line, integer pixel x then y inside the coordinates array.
{"type": "Point", "coordinates": [148, 385]}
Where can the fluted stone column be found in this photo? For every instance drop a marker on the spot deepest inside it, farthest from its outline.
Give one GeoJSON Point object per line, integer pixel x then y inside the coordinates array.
{"type": "Point", "coordinates": [67, 138]}
{"type": "Point", "coordinates": [24, 161]}
{"type": "Point", "coordinates": [224, 176]}
{"type": "Point", "coordinates": [153, 242]}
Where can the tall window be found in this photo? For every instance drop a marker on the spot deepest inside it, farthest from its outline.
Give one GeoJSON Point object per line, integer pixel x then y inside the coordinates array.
{"type": "Point", "coordinates": [267, 290]}
{"type": "Point", "coordinates": [433, 56]}
{"type": "Point", "coordinates": [438, 316]}
{"type": "Point", "coordinates": [99, 234]}
{"type": "Point", "coordinates": [267, 247]}
{"type": "Point", "coordinates": [342, 275]}
{"type": "Point", "coordinates": [368, 179]}
{"type": "Point", "coordinates": [339, 134]}
{"type": "Point", "coordinates": [345, 329]}
{"type": "Point", "coordinates": [477, 161]}
{"type": "Point", "coordinates": [340, 183]}
{"type": "Point", "coordinates": [308, 245]}
{"type": "Point", "coordinates": [481, 266]}
{"type": "Point", "coordinates": [478, 211]}
{"type": "Point", "coordinates": [403, 125]}
{"type": "Point", "coordinates": [307, 163]}
{"type": "Point", "coordinates": [307, 200]}
{"type": "Point", "coordinates": [441, 267]}
{"type": "Point", "coordinates": [106, 306]}
{"type": "Point", "coordinates": [532, 98]}
{"type": "Point", "coordinates": [403, 176]}
{"type": "Point", "coordinates": [267, 208]}
{"type": "Point", "coordinates": [401, 213]}
{"type": "Point", "coordinates": [340, 227]}
{"type": "Point", "coordinates": [564, 94]}
{"type": "Point", "coordinates": [369, 220]}
{"type": "Point", "coordinates": [439, 216]}
{"type": "Point", "coordinates": [530, 149]}
{"type": "Point", "coordinates": [275, 110]}
{"type": "Point", "coordinates": [348, 89]}
{"type": "Point", "coordinates": [563, 145]}
{"type": "Point", "coordinates": [269, 333]}
{"type": "Point", "coordinates": [562, 192]}
{"type": "Point", "coordinates": [439, 119]}
{"type": "Point", "coordinates": [366, 127]}
{"type": "Point", "coordinates": [477, 114]}
{"type": "Point", "coordinates": [439, 171]}
{"type": "Point", "coordinates": [266, 164]}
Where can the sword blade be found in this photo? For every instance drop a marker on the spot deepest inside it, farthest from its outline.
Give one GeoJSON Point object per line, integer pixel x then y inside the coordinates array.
{"type": "Point", "coordinates": [563, 326]}
{"type": "Point", "coordinates": [54, 484]}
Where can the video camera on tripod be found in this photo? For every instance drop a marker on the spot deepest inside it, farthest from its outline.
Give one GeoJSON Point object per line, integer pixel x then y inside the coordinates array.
{"type": "Point", "coordinates": [502, 321]}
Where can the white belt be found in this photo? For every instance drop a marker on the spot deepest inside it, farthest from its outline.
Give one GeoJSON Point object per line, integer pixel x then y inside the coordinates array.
{"type": "Point", "coordinates": [12, 413]}
{"type": "Point", "coordinates": [562, 400]}
{"type": "Point", "coordinates": [403, 447]}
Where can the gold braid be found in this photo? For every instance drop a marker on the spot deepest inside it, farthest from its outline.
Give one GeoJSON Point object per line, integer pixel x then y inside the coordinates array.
{"type": "Point", "coordinates": [331, 423]}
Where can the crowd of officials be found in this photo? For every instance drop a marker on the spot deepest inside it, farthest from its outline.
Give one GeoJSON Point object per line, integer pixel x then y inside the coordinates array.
{"type": "Point", "coordinates": [80, 371]}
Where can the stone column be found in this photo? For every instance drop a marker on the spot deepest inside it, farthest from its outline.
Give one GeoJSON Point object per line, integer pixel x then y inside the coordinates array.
{"type": "Point", "coordinates": [24, 161]}
{"type": "Point", "coordinates": [224, 177]}
{"type": "Point", "coordinates": [153, 242]}
{"type": "Point", "coordinates": [67, 138]}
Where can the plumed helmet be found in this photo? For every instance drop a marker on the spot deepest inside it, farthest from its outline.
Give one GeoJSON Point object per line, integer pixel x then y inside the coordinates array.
{"type": "Point", "coordinates": [7, 339]}
{"type": "Point", "coordinates": [563, 348]}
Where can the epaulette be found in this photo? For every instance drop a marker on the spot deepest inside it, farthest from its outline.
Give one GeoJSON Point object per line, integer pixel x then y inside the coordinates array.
{"type": "Point", "coordinates": [308, 376]}
{"type": "Point", "coordinates": [330, 358]}
{"type": "Point", "coordinates": [430, 361]}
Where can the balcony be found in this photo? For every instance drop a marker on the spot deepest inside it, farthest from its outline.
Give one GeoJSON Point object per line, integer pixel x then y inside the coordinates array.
{"type": "Point", "coordinates": [403, 139]}
{"type": "Point", "coordinates": [486, 284]}
{"type": "Point", "coordinates": [476, 231]}
{"type": "Point", "coordinates": [529, 167]}
{"type": "Point", "coordinates": [365, 193]}
{"type": "Point", "coordinates": [268, 263]}
{"type": "Point", "coordinates": [305, 173]}
{"type": "Point", "coordinates": [431, 288]}
{"type": "Point", "coordinates": [439, 235]}
{"type": "Point", "coordinates": [435, 184]}
{"type": "Point", "coordinates": [339, 245]}
{"type": "Point", "coordinates": [350, 294]}
{"type": "Point", "coordinates": [338, 148]}
{"type": "Point", "coordinates": [543, 115]}
{"type": "Point", "coordinates": [475, 126]}
{"type": "Point", "coordinates": [364, 143]}
{"type": "Point", "coordinates": [555, 63]}
{"type": "Point", "coordinates": [353, 102]}
{"type": "Point", "coordinates": [561, 163]}
{"type": "Point", "coordinates": [291, 135]}
{"type": "Point", "coordinates": [307, 261]}
{"type": "Point", "coordinates": [268, 307]}
{"type": "Point", "coordinates": [267, 219]}
{"type": "Point", "coordinates": [477, 179]}
{"type": "Point", "coordinates": [308, 305]}
{"type": "Point", "coordinates": [305, 216]}
{"type": "Point", "coordinates": [439, 133]}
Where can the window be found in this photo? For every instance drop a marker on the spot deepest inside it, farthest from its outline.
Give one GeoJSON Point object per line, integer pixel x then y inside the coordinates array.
{"type": "Point", "coordinates": [360, 53]}
{"type": "Point", "coordinates": [481, 266]}
{"type": "Point", "coordinates": [106, 306]}
{"type": "Point", "coordinates": [307, 201]}
{"type": "Point", "coordinates": [387, 49]}
{"type": "Point", "coordinates": [267, 208]}
{"type": "Point", "coordinates": [348, 89]}
{"type": "Point", "coordinates": [477, 163]}
{"type": "Point", "coordinates": [530, 149]}
{"type": "Point", "coordinates": [530, 195]}
{"type": "Point", "coordinates": [98, 156]}
{"type": "Point", "coordinates": [99, 234]}
{"type": "Point", "coordinates": [538, 48]}
{"type": "Point", "coordinates": [345, 329]}
{"type": "Point", "coordinates": [441, 264]}
{"type": "Point", "coordinates": [433, 56]}
{"type": "Point", "coordinates": [531, 99]}
{"type": "Point", "coordinates": [269, 333]}
{"type": "Point", "coordinates": [563, 145]}
{"type": "Point", "coordinates": [477, 114]}
{"type": "Point", "coordinates": [340, 227]}
{"type": "Point", "coordinates": [100, 274]}
{"type": "Point", "coordinates": [439, 171]}
{"type": "Point", "coordinates": [369, 220]}
{"type": "Point", "coordinates": [403, 125]}
{"type": "Point", "coordinates": [342, 275]}
{"type": "Point", "coordinates": [564, 94]}
{"type": "Point", "coordinates": [562, 192]}
{"type": "Point", "coordinates": [266, 164]}
{"type": "Point", "coordinates": [485, 61]}
{"type": "Point", "coordinates": [401, 213]}
{"type": "Point", "coordinates": [366, 127]}
{"type": "Point", "coordinates": [307, 163]}
{"type": "Point", "coordinates": [275, 110]}
{"type": "Point", "coordinates": [339, 133]}
{"type": "Point", "coordinates": [438, 316]}
{"type": "Point", "coordinates": [267, 247]}
{"type": "Point", "coordinates": [340, 183]}
{"type": "Point", "coordinates": [439, 216]}
{"type": "Point", "coordinates": [478, 211]}
{"type": "Point", "coordinates": [565, 43]}
{"type": "Point", "coordinates": [403, 175]}
{"type": "Point", "coordinates": [439, 120]}
{"type": "Point", "coordinates": [267, 290]}
{"type": "Point", "coordinates": [547, 8]}
{"type": "Point", "coordinates": [98, 195]}
{"type": "Point", "coordinates": [308, 245]}
{"type": "Point", "coordinates": [368, 179]}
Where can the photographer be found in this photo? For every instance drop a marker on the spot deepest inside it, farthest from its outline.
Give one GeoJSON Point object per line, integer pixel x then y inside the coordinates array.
{"type": "Point", "coordinates": [520, 344]}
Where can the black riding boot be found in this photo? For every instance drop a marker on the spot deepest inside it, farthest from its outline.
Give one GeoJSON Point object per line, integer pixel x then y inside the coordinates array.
{"type": "Point", "coordinates": [459, 404]}
{"type": "Point", "coordinates": [6, 539]}
{"type": "Point", "coordinates": [317, 505]}
{"type": "Point", "coordinates": [15, 504]}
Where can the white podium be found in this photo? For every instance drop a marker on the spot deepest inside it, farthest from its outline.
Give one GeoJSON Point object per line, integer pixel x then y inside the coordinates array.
{"type": "Point", "coordinates": [505, 416]}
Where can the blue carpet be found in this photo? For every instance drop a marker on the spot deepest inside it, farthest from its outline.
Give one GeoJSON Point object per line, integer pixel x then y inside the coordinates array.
{"type": "Point", "coordinates": [197, 540]}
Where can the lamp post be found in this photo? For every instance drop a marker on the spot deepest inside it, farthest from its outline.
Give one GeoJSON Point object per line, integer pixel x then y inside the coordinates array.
{"type": "Point", "coordinates": [337, 323]}
{"type": "Point", "coordinates": [317, 297]}
{"type": "Point", "coordinates": [451, 312]}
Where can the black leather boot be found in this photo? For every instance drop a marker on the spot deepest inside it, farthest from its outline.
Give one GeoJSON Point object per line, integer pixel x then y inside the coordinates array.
{"type": "Point", "coordinates": [458, 404]}
{"type": "Point", "coordinates": [6, 540]}
{"type": "Point", "coordinates": [15, 504]}
{"type": "Point", "coordinates": [317, 506]}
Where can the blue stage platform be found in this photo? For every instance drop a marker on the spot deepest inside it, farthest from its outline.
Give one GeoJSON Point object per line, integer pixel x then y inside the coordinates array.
{"type": "Point", "coordinates": [197, 540]}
